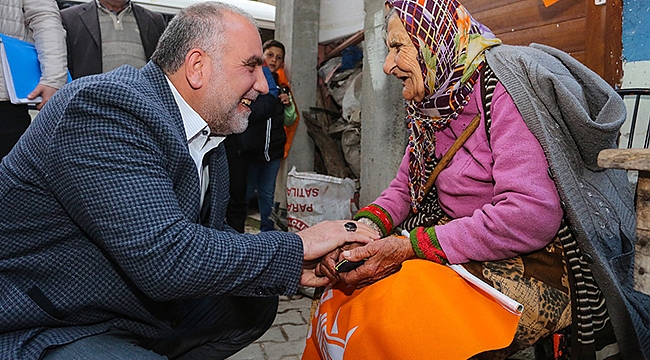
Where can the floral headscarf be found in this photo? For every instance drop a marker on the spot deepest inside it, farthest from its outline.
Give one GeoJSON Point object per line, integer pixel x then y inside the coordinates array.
{"type": "Point", "coordinates": [451, 47]}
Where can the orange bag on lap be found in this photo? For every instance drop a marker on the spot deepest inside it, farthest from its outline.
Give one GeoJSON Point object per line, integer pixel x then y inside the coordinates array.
{"type": "Point", "coordinates": [424, 311]}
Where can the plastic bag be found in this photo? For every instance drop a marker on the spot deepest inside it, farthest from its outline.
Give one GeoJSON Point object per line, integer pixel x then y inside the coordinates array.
{"type": "Point", "coordinates": [312, 198]}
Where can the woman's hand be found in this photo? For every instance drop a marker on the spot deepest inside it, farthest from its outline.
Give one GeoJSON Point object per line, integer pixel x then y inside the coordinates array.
{"type": "Point", "coordinates": [384, 258]}
{"type": "Point", "coordinates": [327, 265]}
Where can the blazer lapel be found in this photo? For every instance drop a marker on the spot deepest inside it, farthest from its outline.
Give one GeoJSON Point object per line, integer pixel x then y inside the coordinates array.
{"type": "Point", "coordinates": [90, 19]}
{"type": "Point", "coordinates": [191, 191]}
{"type": "Point", "coordinates": [143, 24]}
{"type": "Point", "coordinates": [219, 184]}
{"type": "Point", "coordinates": [159, 82]}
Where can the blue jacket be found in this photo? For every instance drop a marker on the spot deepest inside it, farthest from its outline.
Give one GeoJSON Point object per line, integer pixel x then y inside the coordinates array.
{"type": "Point", "coordinates": [99, 208]}
{"type": "Point", "coordinates": [264, 138]}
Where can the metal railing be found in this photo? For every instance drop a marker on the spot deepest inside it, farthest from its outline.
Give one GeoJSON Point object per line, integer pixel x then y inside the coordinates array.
{"type": "Point", "coordinates": [638, 94]}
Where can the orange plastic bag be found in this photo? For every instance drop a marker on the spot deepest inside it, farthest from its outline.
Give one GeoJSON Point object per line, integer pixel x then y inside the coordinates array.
{"type": "Point", "coordinates": [424, 311]}
{"type": "Point", "coordinates": [290, 131]}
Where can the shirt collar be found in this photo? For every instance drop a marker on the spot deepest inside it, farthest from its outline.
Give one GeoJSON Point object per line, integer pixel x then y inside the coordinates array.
{"type": "Point", "coordinates": [196, 129]}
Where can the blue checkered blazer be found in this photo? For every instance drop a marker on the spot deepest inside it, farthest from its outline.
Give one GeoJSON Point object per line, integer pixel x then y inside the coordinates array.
{"type": "Point", "coordinates": [99, 208]}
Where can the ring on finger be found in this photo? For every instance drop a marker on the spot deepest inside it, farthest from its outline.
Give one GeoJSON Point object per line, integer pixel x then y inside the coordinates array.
{"type": "Point", "coordinates": [350, 226]}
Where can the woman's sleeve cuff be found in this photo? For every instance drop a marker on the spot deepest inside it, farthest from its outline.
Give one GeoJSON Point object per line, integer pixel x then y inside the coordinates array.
{"type": "Point", "coordinates": [378, 216]}
{"type": "Point", "coordinates": [426, 246]}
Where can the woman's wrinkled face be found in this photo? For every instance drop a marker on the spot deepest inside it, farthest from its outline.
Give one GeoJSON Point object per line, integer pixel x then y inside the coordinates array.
{"type": "Point", "coordinates": [402, 60]}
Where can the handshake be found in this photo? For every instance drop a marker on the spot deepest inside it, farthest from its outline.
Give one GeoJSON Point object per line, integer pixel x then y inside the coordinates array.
{"type": "Point", "coordinates": [328, 238]}
{"type": "Point", "coordinates": [360, 258]}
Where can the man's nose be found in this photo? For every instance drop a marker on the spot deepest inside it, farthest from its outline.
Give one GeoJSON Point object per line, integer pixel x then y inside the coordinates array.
{"type": "Point", "coordinates": [260, 85]}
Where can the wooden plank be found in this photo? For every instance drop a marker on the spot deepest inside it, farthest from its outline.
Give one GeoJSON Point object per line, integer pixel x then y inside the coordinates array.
{"type": "Point", "coordinates": [568, 25]}
{"type": "Point", "coordinates": [603, 34]}
{"type": "Point", "coordinates": [614, 43]}
{"type": "Point", "coordinates": [628, 159]}
{"type": "Point", "coordinates": [567, 36]}
{"type": "Point", "coordinates": [477, 6]}
{"type": "Point", "coordinates": [596, 26]}
{"type": "Point", "coordinates": [642, 246]}
{"type": "Point", "coordinates": [527, 15]}
{"type": "Point", "coordinates": [578, 55]}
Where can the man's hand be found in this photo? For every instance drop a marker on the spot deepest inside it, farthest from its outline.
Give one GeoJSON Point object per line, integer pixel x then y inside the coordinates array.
{"type": "Point", "coordinates": [44, 91]}
{"type": "Point", "coordinates": [384, 258]}
{"type": "Point", "coordinates": [309, 277]}
{"type": "Point", "coordinates": [326, 236]}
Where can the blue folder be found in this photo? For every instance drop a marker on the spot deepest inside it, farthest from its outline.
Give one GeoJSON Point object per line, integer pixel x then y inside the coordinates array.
{"type": "Point", "coordinates": [21, 68]}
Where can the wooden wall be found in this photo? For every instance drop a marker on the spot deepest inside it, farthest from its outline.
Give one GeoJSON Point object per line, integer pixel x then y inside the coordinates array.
{"type": "Point", "coordinates": [590, 33]}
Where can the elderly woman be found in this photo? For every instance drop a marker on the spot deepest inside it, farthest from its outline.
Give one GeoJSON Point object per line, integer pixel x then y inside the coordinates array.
{"type": "Point", "coordinates": [476, 184]}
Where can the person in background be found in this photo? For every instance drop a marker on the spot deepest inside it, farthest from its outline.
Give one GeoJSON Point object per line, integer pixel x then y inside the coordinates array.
{"type": "Point", "coordinates": [237, 211]}
{"type": "Point", "coordinates": [37, 22]}
{"type": "Point", "coordinates": [255, 155]}
{"type": "Point", "coordinates": [268, 136]}
{"type": "Point", "coordinates": [239, 150]}
{"type": "Point", "coordinates": [105, 34]}
{"type": "Point", "coordinates": [112, 215]}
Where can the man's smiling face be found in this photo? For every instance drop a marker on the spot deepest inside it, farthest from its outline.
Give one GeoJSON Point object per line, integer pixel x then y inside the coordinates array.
{"type": "Point", "coordinates": [235, 79]}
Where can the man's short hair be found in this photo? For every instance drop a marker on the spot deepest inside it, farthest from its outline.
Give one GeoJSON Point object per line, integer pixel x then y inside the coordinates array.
{"type": "Point", "coordinates": [273, 43]}
{"type": "Point", "coordinates": [201, 26]}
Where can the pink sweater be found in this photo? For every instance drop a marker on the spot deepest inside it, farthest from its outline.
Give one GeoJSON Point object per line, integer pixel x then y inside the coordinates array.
{"type": "Point", "coordinates": [500, 195]}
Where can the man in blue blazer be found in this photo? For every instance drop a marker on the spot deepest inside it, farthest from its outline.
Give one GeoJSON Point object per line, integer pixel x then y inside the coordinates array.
{"type": "Point", "coordinates": [112, 210]}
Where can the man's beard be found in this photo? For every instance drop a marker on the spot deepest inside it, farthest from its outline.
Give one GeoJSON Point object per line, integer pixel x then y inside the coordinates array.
{"type": "Point", "coordinates": [229, 122]}
{"type": "Point", "coordinates": [239, 121]}
{"type": "Point", "coordinates": [222, 111]}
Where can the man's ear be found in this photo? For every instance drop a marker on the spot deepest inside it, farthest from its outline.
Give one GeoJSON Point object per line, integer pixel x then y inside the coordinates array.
{"type": "Point", "coordinates": [196, 63]}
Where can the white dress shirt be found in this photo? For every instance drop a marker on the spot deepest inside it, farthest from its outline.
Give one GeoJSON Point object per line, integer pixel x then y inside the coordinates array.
{"type": "Point", "coordinates": [199, 140]}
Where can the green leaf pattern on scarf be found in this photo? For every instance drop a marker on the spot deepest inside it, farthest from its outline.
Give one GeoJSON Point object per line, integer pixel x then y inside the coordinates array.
{"type": "Point", "coordinates": [430, 62]}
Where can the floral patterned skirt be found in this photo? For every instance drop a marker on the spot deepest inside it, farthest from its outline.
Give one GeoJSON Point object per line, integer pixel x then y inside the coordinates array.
{"type": "Point", "coordinates": [540, 282]}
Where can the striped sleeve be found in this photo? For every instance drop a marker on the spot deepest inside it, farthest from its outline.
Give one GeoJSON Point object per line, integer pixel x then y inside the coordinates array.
{"type": "Point", "coordinates": [378, 216]}
{"type": "Point", "coordinates": [426, 246]}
